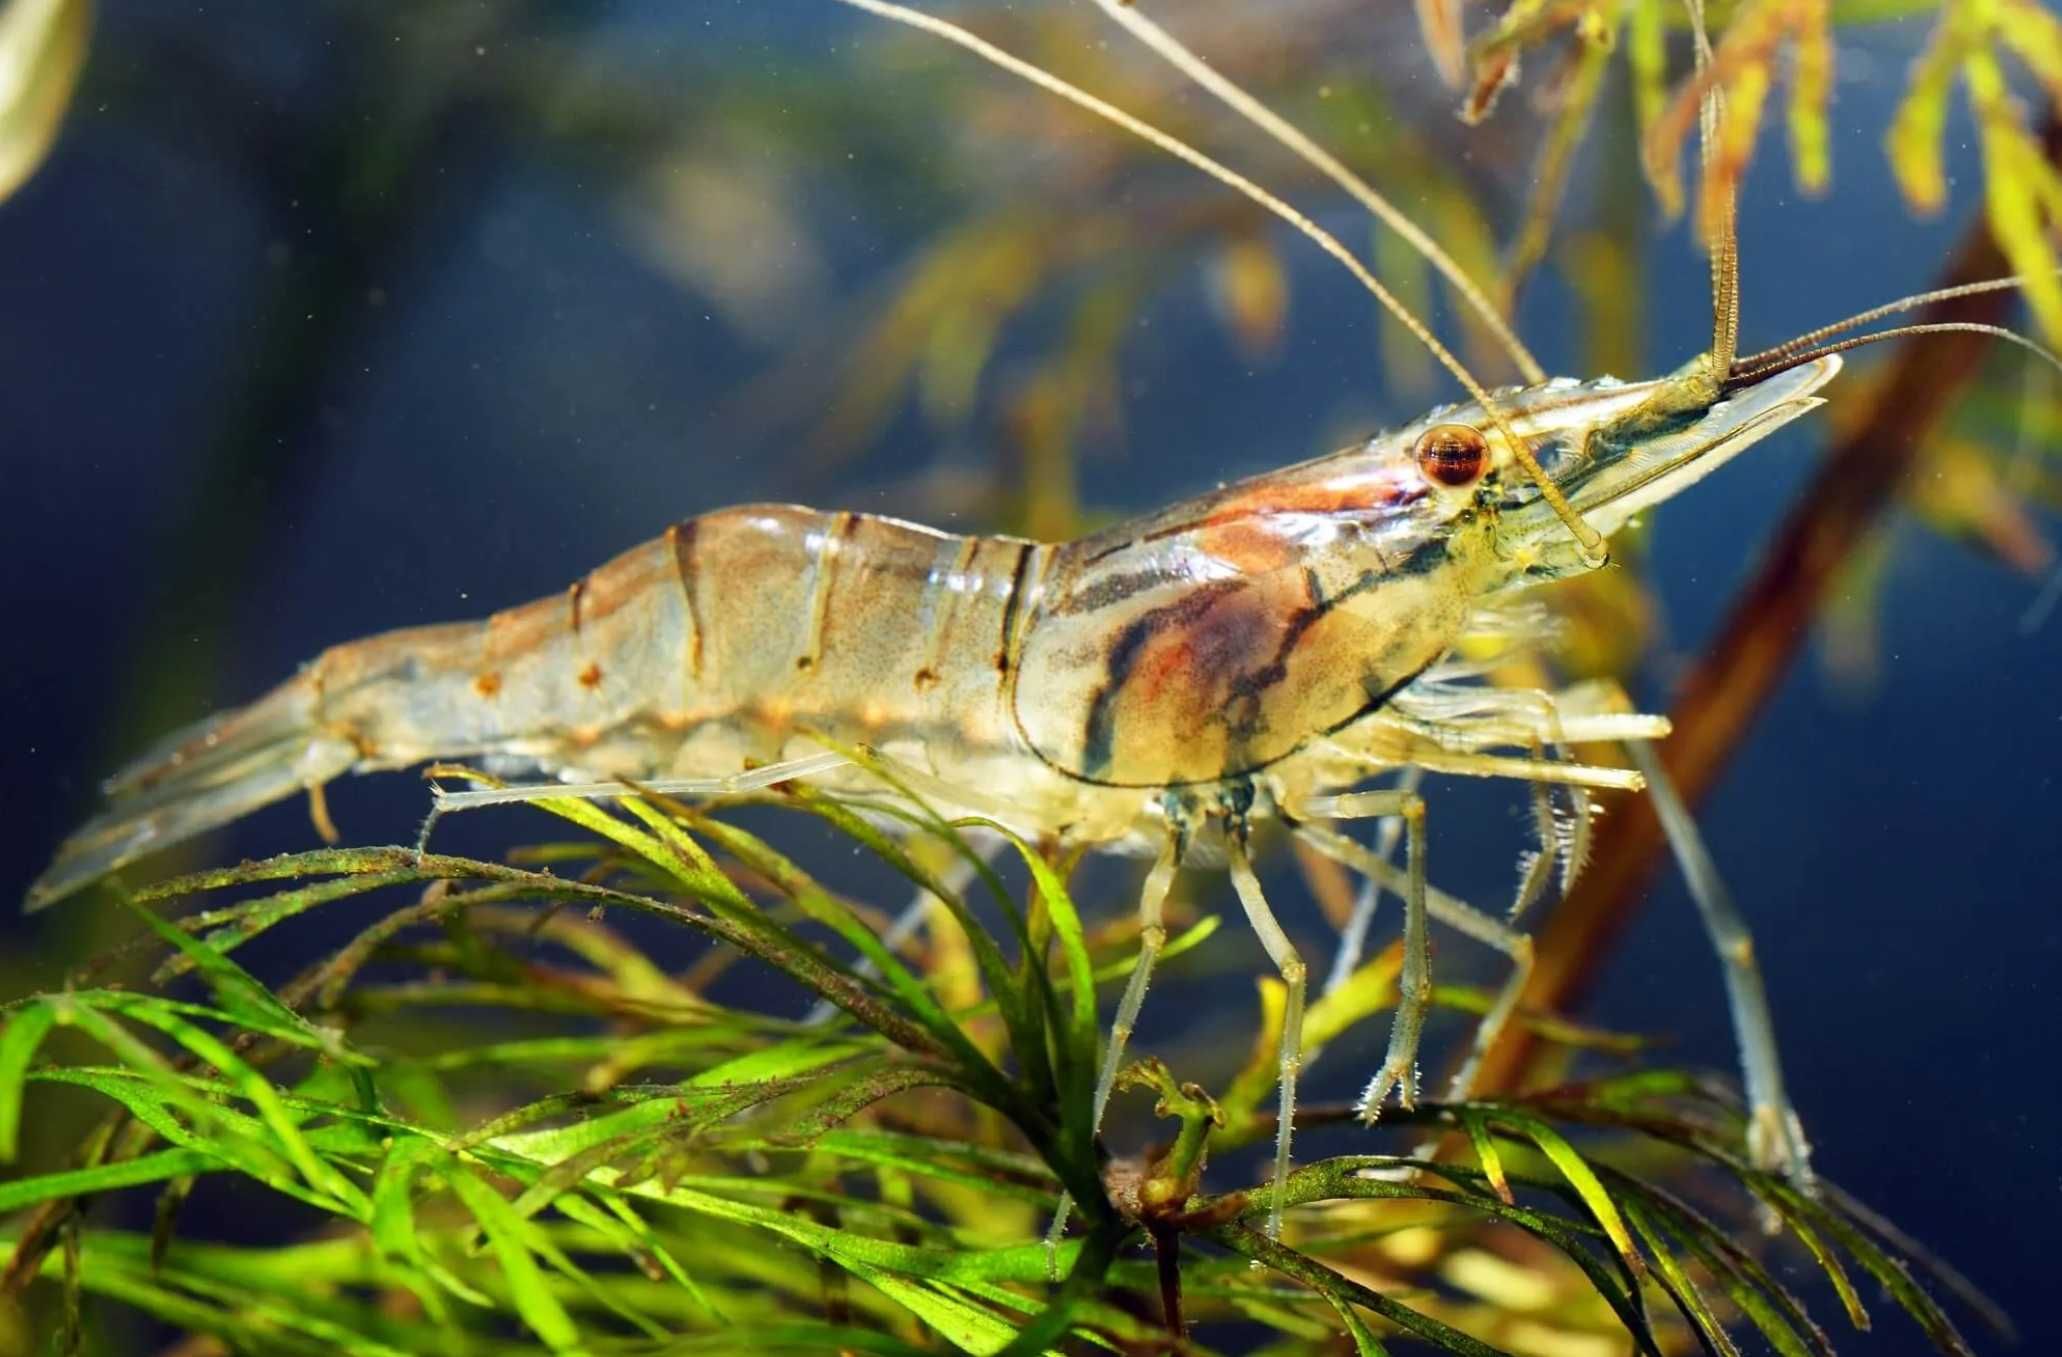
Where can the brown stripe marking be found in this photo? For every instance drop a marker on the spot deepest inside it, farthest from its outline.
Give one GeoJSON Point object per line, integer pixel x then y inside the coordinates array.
{"type": "Point", "coordinates": [947, 607]}
{"type": "Point", "coordinates": [681, 537]}
{"type": "Point", "coordinates": [1012, 604]}
{"type": "Point", "coordinates": [823, 569]}
{"type": "Point", "coordinates": [574, 595]}
{"type": "Point", "coordinates": [1123, 661]}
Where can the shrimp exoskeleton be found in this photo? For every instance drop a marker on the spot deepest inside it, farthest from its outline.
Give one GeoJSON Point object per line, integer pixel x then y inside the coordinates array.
{"type": "Point", "coordinates": [1260, 652]}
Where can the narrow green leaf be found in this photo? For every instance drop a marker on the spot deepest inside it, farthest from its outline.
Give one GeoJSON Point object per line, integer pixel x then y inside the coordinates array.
{"type": "Point", "coordinates": [800, 1336]}
{"type": "Point", "coordinates": [42, 50]}
{"type": "Point", "coordinates": [151, 1091]}
{"type": "Point", "coordinates": [969, 1327]}
{"type": "Point", "coordinates": [237, 990]}
{"type": "Point", "coordinates": [155, 1167]}
{"type": "Point", "coordinates": [1777, 1314]}
{"type": "Point", "coordinates": [629, 1232]}
{"type": "Point", "coordinates": [1682, 1289]}
{"type": "Point", "coordinates": [393, 1199]}
{"type": "Point", "coordinates": [507, 1235]}
{"type": "Point", "coordinates": [19, 1040]}
{"type": "Point", "coordinates": [826, 909]}
{"type": "Point", "coordinates": [256, 1087]}
{"type": "Point", "coordinates": [1344, 1290]}
{"type": "Point", "coordinates": [1580, 1177]}
{"type": "Point", "coordinates": [1828, 1261]}
{"type": "Point", "coordinates": [1082, 1026]}
{"type": "Point", "coordinates": [1913, 141]}
{"type": "Point", "coordinates": [1890, 1272]}
{"type": "Point", "coordinates": [1486, 1153]}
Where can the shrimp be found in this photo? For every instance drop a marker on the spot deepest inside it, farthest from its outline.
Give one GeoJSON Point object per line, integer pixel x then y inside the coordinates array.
{"type": "Point", "coordinates": [1159, 688]}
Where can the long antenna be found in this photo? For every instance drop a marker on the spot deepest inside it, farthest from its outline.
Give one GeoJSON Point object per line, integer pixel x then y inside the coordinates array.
{"type": "Point", "coordinates": [1591, 542]}
{"type": "Point", "coordinates": [1748, 371]}
{"type": "Point", "coordinates": [1325, 163]}
{"type": "Point", "coordinates": [1875, 313]}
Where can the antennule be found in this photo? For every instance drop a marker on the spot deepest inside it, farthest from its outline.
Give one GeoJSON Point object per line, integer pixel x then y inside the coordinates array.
{"type": "Point", "coordinates": [1875, 313]}
{"type": "Point", "coordinates": [1751, 370]}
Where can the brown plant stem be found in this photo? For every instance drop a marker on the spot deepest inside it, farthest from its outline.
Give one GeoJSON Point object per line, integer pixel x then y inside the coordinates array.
{"type": "Point", "coordinates": [1766, 626]}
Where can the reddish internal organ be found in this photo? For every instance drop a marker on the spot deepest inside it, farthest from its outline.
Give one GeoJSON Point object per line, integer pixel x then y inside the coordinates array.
{"type": "Point", "coordinates": [1210, 645]}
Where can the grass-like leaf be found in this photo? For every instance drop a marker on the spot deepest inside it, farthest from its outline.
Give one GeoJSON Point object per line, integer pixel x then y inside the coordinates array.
{"type": "Point", "coordinates": [649, 1160]}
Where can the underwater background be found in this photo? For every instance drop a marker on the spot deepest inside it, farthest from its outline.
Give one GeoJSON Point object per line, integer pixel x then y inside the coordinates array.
{"type": "Point", "coordinates": [322, 320]}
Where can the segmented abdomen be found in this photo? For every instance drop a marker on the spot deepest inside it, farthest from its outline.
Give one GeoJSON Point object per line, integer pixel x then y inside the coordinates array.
{"type": "Point", "coordinates": [724, 639]}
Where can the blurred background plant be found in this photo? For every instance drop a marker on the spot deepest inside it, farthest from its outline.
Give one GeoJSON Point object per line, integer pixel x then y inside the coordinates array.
{"type": "Point", "coordinates": [408, 312]}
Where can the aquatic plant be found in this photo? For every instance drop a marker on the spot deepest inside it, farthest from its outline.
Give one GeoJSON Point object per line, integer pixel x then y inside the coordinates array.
{"type": "Point", "coordinates": [496, 1119]}
{"type": "Point", "coordinates": [659, 1159]}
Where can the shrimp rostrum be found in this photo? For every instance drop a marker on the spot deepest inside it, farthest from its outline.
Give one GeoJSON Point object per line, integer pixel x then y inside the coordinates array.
{"type": "Point", "coordinates": [1258, 653]}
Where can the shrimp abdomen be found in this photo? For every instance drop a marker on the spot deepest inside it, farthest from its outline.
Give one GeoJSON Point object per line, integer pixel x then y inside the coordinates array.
{"type": "Point", "coordinates": [716, 643]}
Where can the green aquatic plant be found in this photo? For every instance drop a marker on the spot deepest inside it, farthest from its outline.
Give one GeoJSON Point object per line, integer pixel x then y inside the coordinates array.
{"type": "Point", "coordinates": [506, 1118]}
{"type": "Point", "coordinates": [509, 1118]}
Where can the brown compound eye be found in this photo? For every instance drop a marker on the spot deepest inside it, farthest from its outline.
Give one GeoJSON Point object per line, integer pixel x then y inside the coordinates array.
{"type": "Point", "coordinates": [1454, 455]}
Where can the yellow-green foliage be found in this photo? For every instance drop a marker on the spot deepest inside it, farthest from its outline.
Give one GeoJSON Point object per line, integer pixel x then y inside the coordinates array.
{"type": "Point", "coordinates": [42, 48]}
{"type": "Point", "coordinates": [1756, 40]}
{"type": "Point", "coordinates": [2022, 189]}
{"type": "Point", "coordinates": [488, 1125]}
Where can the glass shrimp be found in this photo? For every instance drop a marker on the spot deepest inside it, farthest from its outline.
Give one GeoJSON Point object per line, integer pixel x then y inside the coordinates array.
{"type": "Point", "coordinates": [1158, 688]}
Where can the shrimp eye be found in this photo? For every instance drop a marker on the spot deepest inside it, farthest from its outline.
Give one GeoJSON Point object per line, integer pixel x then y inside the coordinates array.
{"type": "Point", "coordinates": [1454, 455]}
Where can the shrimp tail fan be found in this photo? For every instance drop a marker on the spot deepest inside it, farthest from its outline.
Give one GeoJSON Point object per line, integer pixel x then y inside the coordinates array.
{"type": "Point", "coordinates": [196, 780]}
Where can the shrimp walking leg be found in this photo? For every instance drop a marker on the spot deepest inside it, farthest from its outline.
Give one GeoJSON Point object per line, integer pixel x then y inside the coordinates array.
{"type": "Point", "coordinates": [444, 802]}
{"type": "Point", "coordinates": [1537, 869]}
{"type": "Point", "coordinates": [1152, 936]}
{"type": "Point", "coordinates": [1286, 959]}
{"type": "Point", "coordinates": [1399, 1069]}
{"type": "Point", "coordinates": [1353, 937]}
{"type": "Point", "coordinates": [731, 784]}
{"type": "Point", "coordinates": [1775, 1136]}
{"type": "Point", "coordinates": [1454, 913]}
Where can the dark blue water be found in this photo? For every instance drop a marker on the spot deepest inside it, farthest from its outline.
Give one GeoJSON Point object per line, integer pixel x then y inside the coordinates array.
{"type": "Point", "coordinates": [248, 413]}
